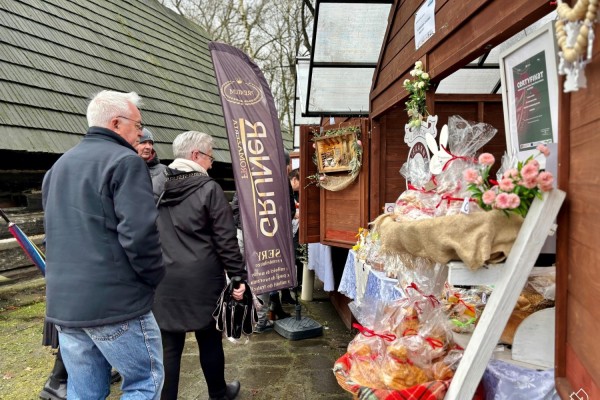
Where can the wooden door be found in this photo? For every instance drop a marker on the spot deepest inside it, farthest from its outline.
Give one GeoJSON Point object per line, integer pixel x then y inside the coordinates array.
{"type": "Point", "coordinates": [333, 217]}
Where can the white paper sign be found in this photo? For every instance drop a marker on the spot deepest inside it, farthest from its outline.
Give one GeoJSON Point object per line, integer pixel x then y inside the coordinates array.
{"type": "Point", "coordinates": [389, 207]}
{"type": "Point", "coordinates": [424, 23]}
{"type": "Point", "coordinates": [465, 206]}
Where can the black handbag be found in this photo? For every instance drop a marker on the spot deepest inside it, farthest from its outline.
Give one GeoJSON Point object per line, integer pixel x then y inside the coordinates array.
{"type": "Point", "coordinates": [234, 317]}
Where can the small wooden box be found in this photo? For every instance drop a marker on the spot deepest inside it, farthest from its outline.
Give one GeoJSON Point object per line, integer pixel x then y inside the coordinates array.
{"type": "Point", "coordinates": [335, 152]}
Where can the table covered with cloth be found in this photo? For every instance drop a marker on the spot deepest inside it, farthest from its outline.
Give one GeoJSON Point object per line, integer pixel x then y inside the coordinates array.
{"type": "Point", "coordinates": [319, 260]}
{"type": "Point", "coordinates": [359, 280]}
{"type": "Point", "coordinates": [503, 380]}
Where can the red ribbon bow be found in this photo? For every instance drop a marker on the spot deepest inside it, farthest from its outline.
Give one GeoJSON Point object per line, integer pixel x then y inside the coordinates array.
{"type": "Point", "coordinates": [461, 301]}
{"type": "Point", "coordinates": [454, 157]}
{"type": "Point", "coordinates": [416, 189]}
{"type": "Point", "coordinates": [434, 343]}
{"type": "Point", "coordinates": [390, 337]}
{"type": "Point", "coordinates": [432, 299]}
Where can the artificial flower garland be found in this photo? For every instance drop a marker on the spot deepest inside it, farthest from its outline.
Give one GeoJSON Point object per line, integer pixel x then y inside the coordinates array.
{"type": "Point", "coordinates": [416, 105]}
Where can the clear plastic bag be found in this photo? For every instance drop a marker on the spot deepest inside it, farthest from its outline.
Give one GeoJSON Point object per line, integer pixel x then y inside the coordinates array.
{"type": "Point", "coordinates": [416, 171]}
{"type": "Point", "coordinates": [464, 306]}
{"type": "Point", "coordinates": [366, 352]}
{"type": "Point", "coordinates": [464, 141]}
{"type": "Point", "coordinates": [416, 204]}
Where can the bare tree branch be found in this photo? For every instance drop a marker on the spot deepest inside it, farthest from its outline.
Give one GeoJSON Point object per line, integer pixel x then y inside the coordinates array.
{"type": "Point", "coordinates": [272, 33]}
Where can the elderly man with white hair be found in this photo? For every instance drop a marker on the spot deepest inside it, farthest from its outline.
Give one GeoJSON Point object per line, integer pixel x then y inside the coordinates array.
{"type": "Point", "coordinates": [103, 255]}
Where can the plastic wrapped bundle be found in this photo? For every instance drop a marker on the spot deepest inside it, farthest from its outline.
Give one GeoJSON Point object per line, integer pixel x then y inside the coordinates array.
{"type": "Point", "coordinates": [465, 139]}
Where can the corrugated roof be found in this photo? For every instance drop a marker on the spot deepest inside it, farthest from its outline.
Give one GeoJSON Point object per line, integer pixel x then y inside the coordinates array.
{"type": "Point", "coordinates": [55, 54]}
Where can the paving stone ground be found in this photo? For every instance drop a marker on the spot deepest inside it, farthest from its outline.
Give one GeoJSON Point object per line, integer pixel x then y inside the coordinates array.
{"type": "Point", "coordinates": [269, 366]}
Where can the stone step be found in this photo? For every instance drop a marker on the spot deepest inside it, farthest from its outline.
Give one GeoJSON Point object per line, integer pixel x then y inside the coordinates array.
{"type": "Point", "coordinates": [19, 275]}
{"type": "Point", "coordinates": [12, 256]}
{"type": "Point", "coordinates": [31, 223]}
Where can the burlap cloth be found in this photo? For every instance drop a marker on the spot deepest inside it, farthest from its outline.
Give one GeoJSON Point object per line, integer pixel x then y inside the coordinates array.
{"type": "Point", "coordinates": [475, 239]}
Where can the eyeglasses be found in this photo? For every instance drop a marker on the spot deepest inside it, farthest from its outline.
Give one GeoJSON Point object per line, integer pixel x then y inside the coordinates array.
{"type": "Point", "coordinates": [138, 125]}
{"type": "Point", "coordinates": [212, 159]}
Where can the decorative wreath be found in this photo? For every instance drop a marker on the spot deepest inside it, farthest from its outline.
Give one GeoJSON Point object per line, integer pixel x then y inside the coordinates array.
{"type": "Point", "coordinates": [336, 182]}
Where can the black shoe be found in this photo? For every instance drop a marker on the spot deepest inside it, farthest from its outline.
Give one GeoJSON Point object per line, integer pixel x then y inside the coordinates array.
{"type": "Point", "coordinates": [115, 376]}
{"type": "Point", "coordinates": [54, 390]}
{"type": "Point", "coordinates": [287, 299]}
{"type": "Point", "coordinates": [231, 391]}
{"type": "Point", "coordinates": [280, 313]}
{"type": "Point", "coordinates": [264, 327]}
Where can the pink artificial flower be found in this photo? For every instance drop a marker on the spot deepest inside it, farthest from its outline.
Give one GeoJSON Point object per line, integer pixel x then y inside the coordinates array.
{"type": "Point", "coordinates": [470, 175]}
{"type": "Point", "coordinates": [486, 159]}
{"type": "Point", "coordinates": [511, 173]}
{"type": "Point", "coordinates": [529, 171]}
{"type": "Point", "coordinates": [530, 182]}
{"type": "Point", "coordinates": [545, 181]}
{"type": "Point", "coordinates": [314, 146]}
{"type": "Point", "coordinates": [534, 162]}
{"type": "Point", "coordinates": [322, 178]}
{"type": "Point", "coordinates": [502, 201]}
{"type": "Point", "coordinates": [506, 185]}
{"type": "Point", "coordinates": [488, 197]}
{"type": "Point", "coordinates": [358, 142]}
{"type": "Point", "coordinates": [542, 148]}
{"type": "Point", "coordinates": [513, 200]}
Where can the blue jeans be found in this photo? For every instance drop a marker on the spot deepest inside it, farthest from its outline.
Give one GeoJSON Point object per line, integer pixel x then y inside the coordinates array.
{"type": "Point", "coordinates": [133, 348]}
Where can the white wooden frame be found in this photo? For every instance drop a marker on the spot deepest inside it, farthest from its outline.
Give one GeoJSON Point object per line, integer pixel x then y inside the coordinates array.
{"type": "Point", "coordinates": [518, 265]}
{"type": "Point", "coordinates": [533, 43]}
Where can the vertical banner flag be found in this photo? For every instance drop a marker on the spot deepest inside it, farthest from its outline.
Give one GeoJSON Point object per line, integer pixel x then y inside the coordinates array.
{"type": "Point", "coordinates": [259, 169]}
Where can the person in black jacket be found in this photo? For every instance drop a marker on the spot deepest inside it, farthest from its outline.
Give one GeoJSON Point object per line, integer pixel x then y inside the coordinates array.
{"type": "Point", "coordinates": [199, 244]}
{"type": "Point", "coordinates": [103, 255]}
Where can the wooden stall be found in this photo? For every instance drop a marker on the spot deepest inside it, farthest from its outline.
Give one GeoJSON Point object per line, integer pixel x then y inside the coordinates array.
{"type": "Point", "coordinates": [464, 31]}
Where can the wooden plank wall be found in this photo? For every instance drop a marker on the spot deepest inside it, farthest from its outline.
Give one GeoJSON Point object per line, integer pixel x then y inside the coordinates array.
{"type": "Point", "coordinates": [310, 211]}
{"type": "Point", "coordinates": [464, 31]}
{"type": "Point", "coordinates": [478, 108]}
{"type": "Point", "coordinates": [390, 152]}
{"type": "Point", "coordinates": [579, 317]}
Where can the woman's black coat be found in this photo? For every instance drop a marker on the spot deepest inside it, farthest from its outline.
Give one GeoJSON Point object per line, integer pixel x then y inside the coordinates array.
{"type": "Point", "coordinates": [198, 239]}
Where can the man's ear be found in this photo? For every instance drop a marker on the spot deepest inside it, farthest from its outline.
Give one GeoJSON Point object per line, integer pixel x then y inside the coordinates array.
{"type": "Point", "coordinates": [114, 124]}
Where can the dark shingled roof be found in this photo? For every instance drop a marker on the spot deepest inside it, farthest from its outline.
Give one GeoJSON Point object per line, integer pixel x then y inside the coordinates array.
{"type": "Point", "coordinates": [56, 54]}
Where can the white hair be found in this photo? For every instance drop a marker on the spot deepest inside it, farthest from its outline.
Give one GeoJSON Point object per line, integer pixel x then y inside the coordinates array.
{"type": "Point", "coordinates": [108, 104]}
{"type": "Point", "coordinates": [186, 142]}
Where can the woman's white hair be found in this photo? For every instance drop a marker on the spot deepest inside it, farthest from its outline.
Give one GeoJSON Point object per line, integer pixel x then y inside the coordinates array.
{"type": "Point", "coordinates": [108, 104]}
{"type": "Point", "coordinates": [186, 142]}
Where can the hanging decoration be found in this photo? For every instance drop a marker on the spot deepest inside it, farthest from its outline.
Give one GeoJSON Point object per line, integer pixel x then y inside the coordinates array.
{"type": "Point", "coordinates": [415, 105]}
{"type": "Point", "coordinates": [337, 150]}
{"type": "Point", "coordinates": [575, 38]}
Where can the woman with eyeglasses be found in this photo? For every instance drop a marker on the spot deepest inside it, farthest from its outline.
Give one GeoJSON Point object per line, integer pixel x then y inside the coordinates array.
{"type": "Point", "coordinates": [199, 243]}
